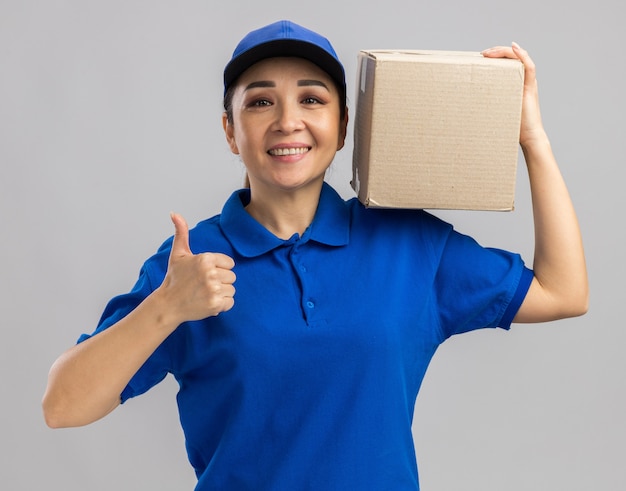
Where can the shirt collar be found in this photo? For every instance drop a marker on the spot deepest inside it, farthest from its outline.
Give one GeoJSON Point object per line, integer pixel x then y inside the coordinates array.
{"type": "Point", "coordinates": [330, 226]}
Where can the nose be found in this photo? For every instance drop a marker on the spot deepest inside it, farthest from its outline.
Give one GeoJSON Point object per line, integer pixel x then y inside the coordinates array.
{"type": "Point", "coordinates": [288, 118]}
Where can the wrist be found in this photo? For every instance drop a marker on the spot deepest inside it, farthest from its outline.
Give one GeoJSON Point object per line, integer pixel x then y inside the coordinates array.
{"type": "Point", "coordinates": [163, 311]}
{"type": "Point", "coordinates": [534, 142]}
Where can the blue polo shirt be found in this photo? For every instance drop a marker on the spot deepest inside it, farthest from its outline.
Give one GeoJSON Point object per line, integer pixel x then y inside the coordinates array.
{"type": "Point", "coordinates": [309, 382]}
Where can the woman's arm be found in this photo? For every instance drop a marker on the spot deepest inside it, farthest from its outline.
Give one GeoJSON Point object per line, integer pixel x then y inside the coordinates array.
{"type": "Point", "coordinates": [560, 288]}
{"type": "Point", "coordinates": [86, 381]}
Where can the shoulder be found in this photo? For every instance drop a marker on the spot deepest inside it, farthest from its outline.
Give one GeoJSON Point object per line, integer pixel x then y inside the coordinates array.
{"type": "Point", "coordinates": [396, 222]}
{"type": "Point", "coordinates": [401, 234]}
{"type": "Point", "coordinates": [208, 236]}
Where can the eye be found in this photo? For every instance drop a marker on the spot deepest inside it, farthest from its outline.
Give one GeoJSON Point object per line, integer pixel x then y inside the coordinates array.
{"type": "Point", "coordinates": [260, 103]}
{"type": "Point", "coordinates": [257, 102]}
{"type": "Point", "coordinates": [311, 100]}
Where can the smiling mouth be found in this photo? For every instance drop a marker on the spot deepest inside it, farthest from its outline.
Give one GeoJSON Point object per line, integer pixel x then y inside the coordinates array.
{"type": "Point", "coordinates": [280, 152]}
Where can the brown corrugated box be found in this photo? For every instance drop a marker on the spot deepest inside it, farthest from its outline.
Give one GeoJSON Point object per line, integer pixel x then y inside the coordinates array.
{"type": "Point", "coordinates": [436, 129]}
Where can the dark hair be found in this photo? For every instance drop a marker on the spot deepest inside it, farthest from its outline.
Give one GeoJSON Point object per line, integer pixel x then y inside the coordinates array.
{"type": "Point", "coordinates": [228, 103]}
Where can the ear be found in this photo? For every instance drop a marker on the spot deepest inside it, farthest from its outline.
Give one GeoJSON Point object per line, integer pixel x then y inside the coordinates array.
{"type": "Point", "coordinates": [229, 131]}
{"type": "Point", "coordinates": [343, 130]}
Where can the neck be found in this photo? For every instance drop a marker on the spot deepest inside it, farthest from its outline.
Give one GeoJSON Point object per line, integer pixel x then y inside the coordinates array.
{"type": "Point", "coordinates": [284, 214]}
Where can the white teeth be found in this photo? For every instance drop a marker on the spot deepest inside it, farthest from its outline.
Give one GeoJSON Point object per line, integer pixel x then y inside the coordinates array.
{"type": "Point", "coordinates": [288, 151]}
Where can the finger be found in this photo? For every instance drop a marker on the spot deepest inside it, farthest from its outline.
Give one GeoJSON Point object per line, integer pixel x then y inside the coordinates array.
{"type": "Point", "coordinates": [180, 244]}
{"type": "Point", "coordinates": [520, 53]}
{"type": "Point", "coordinates": [228, 304]}
{"type": "Point", "coordinates": [227, 277]}
{"type": "Point", "coordinates": [523, 56]}
{"type": "Point", "coordinates": [223, 299]}
{"type": "Point", "coordinates": [228, 291]}
{"type": "Point", "coordinates": [223, 261]}
{"type": "Point", "coordinates": [498, 52]}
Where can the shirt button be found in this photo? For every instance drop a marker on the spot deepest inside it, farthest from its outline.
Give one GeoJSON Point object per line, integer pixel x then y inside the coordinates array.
{"type": "Point", "coordinates": [310, 304]}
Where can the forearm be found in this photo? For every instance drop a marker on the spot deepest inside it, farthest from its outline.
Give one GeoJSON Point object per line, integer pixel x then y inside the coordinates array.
{"type": "Point", "coordinates": [85, 382]}
{"type": "Point", "coordinates": [560, 288]}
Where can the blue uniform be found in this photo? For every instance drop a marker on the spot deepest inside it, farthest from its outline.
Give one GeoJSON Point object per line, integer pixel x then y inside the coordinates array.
{"type": "Point", "coordinates": [309, 382]}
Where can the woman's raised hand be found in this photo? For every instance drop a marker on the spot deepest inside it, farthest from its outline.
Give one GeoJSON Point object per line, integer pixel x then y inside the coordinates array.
{"type": "Point", "coordinates": [197, 285]}
{"type": "Point", "coordinates": [531, 129]}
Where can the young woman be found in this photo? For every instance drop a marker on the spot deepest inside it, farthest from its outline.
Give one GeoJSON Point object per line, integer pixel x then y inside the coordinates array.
{"type": "Point", "coordinates": [308, 379]}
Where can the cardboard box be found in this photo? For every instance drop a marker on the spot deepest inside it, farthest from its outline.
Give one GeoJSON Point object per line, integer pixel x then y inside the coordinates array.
{"type": "Point", "coordinates": [436, 129]}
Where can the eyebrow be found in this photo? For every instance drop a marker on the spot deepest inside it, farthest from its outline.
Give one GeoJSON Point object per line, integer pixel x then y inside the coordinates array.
{"type": "Point", "coordinates": [301, 83]}
{"type": "Point", "coordinates": [306, 83]}
{"type": "Point", "coordinates": [260, 83]}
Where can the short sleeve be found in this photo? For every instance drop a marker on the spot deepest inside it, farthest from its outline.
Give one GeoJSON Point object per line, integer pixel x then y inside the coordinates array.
{"type": "Point", "coordinates": [478, 287]}
{"type": "Point", "coordinates": [156, 367]}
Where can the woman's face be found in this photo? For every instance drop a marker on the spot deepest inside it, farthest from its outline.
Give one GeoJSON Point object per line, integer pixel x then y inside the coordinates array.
{"type": "Point", "coordinates": [286, 125]}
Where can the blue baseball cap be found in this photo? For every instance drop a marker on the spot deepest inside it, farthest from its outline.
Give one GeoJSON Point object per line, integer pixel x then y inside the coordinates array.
{"type": "Point", "coordinates": [284, 38]}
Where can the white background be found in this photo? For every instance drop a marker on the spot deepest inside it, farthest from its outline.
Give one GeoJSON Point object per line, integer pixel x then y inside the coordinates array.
{"type": "Point", "coordinates": [110, 118]}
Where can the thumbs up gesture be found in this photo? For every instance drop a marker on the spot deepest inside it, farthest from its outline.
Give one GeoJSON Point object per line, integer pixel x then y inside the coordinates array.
{"type": "Point", "coordinates": [196, 285]}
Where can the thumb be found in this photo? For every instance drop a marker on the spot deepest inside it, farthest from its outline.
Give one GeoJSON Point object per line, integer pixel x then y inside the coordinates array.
{"type": "Point", "coordinates": [180, 244]}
